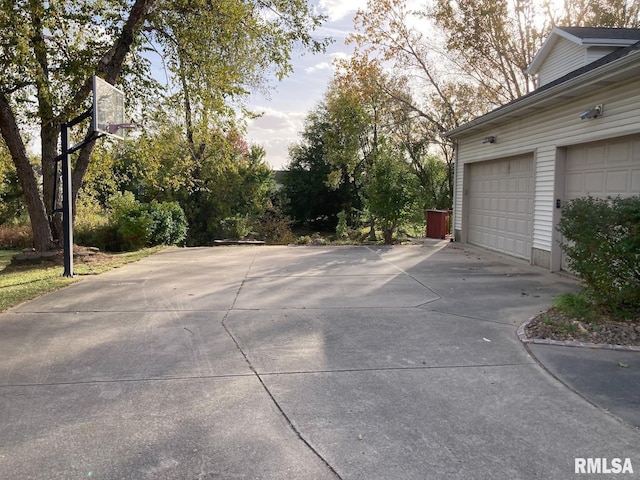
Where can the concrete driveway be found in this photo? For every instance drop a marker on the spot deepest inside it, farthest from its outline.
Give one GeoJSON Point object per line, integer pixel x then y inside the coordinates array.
{"type": "Point", "coordinates": [295, 363]}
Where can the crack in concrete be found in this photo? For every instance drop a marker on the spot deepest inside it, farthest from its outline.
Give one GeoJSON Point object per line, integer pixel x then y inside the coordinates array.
{"type": "Point", "coordinates": [255, 373]}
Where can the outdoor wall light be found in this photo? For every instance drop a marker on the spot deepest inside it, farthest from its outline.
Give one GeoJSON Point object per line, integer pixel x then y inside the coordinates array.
{"type": "Point", "coordinates": [489, 139]}
{"type": "Point", "coordinates": [594, 112]}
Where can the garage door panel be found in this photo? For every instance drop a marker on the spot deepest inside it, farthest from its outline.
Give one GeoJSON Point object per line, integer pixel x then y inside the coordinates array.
{"type": "Point", "coordinates": [594, 183]}
{"type": "Point", "coordinates": [501, 205]}
{"type": "Point", "coordinates": [616, 182]}
{"type": "Point", "coordinates": [635, 181]}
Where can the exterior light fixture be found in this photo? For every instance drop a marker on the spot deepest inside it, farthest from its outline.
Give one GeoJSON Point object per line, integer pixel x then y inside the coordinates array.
{"type": "Point", "coordinates": [489, 139]}
{"type": "Point", "coordinates": [594, 112]}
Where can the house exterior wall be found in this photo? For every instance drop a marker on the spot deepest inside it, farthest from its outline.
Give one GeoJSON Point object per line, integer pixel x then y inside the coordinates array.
{"type": "Point", "coordinates": [546, 134]}
{"type": "Point", "coordinates": [595, 53]}
{"type": "Point", "coordinates": [565, 56]}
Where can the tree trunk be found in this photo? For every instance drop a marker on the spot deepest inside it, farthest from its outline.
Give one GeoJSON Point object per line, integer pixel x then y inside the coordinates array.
{"type": "Point", "coordinates": [49, 135]}
{"type": "Point", "coordinates": [26, 176]}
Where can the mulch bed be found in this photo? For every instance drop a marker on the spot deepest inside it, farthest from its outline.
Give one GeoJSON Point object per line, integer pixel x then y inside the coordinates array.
{"type": "Point", "coordinates": [554, 325]}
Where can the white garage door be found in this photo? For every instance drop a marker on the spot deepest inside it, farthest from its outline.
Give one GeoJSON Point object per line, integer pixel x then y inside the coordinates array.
{"type": "Point", "coordinates": [603, 169]}
{"type": "Point", "coordinates": [501, 205]}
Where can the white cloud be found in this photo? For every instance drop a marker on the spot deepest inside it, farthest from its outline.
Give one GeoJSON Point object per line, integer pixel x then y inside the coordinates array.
{"type": "Point", "coordinates": [318, 67]}
{"type": "Point", "coordinates": [327, 64]}
{"type": "Point", "coordinates": [339, 9]}
{"type": "Point", "coordinates": [275, 131]}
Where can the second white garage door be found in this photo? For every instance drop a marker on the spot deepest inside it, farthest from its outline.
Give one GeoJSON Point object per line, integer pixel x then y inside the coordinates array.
{"type": "Point", "coordinates": [501, 205]}
{"type": "Point", "coordinates": [603, 169]}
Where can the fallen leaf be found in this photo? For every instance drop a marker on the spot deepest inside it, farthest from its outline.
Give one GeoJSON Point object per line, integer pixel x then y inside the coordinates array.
{"type": "Point", "coordinates": [623, 365]}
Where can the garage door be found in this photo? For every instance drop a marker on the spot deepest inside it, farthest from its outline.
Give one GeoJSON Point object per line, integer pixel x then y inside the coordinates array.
{"type": "Point", "coordinates": [603, 169]}
{"type": "Point", "coordinates": [501, 205]}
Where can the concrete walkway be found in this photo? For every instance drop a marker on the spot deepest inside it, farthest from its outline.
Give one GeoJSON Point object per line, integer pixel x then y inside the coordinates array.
{"type": "Point", "coordinates": [295, 363]}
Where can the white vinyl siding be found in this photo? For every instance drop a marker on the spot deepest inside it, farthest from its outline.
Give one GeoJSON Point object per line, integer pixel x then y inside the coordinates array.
{"type": "Point", "coordinates": [542, 133]}
{"type": "Point", "coordinates": [565, 56]}
{"type": "Point", "coordinates": [596, 53]}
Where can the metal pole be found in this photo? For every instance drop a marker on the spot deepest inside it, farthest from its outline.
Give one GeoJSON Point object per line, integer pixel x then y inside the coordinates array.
{"type": "Point", "coordinates": [67, 204]}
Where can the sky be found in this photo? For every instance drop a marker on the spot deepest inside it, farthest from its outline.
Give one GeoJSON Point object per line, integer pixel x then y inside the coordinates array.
{"type": "Point", "coordinates": [287, 105]}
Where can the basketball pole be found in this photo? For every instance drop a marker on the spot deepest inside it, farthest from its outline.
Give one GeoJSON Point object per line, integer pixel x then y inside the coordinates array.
{"type": "Point", "coordinates": [67, 203]}
{"type": "Point", "coordinates": [67, 200]}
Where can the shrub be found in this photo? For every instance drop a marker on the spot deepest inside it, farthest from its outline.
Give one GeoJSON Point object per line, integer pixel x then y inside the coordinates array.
{"type": "Point", "coordinates": [139, 225]}
{"type": "Point", "coordinates": [238, 226]}
{"type": "Point", "coordinates": [342, 229]}
{"type": "Point", "coordinates": [274, 228]}
{"type": "Point", "coordinates": [15, 235]}
{"type": "Point", "coordinates": [169, 223]}
{"type": "Point", "coordinates": [602, 243]}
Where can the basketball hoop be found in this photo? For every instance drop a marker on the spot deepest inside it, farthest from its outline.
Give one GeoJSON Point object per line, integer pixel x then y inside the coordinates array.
{"type": "Point", "coordinates": [107, 119]}
{"type": "Point", "coordinates": [113, 129]}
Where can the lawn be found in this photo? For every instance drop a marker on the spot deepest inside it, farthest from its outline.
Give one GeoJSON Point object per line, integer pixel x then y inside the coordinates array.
{"type": "Point", "coordinates": [21, 283]}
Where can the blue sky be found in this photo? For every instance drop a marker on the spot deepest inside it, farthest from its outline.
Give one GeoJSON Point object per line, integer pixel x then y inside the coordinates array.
{"type": "Point", "coordinates": [287, 105]}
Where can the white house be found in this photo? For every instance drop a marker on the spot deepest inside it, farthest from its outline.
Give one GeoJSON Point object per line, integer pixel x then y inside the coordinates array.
{"type": "Point", "coordinates": [577, 134]}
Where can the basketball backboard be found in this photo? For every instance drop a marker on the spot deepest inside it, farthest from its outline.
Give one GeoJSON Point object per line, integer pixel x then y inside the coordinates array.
{"type": "Point", "coordinates": [108, 109]}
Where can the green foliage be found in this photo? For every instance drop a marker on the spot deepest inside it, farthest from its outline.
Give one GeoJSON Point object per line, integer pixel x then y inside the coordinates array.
{"type": "Point", "coordinates": [392, 194]}
{"type": "Point", "coordinates": [11, 204]}
{"type": "Point", "coordinates": [169, 223]}
{"type": "Point", "coordinates": [226, 181]}
{"type": "Point", "coordinates": [273, 227]}
{"type": "Point", "coordinates": [133, 222]}
{"type": "Point", "coordinates": [238, 226]}
{"type": "Point", "coordinates": [215, 53]}
{"type": "Point", "coordinates": [342, 229]}
{"type": "Point", "coordinates": [314, 201]}
{"type": "Point", "coordinates": [575, 305]}
{"type": "Point", "coordinates": [133, 225]}
{"type": "Point", "coordinates": [602, 242]}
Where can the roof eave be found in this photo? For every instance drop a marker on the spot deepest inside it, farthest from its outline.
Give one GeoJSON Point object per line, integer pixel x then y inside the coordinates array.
{"type": "Point", "coordinates": [537, 99]}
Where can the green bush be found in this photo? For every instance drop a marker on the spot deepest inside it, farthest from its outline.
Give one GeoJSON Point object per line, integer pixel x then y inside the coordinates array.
{"type": "Point", "coordinates": [238, 226]}
{"type": "Point", "coordinates": [602, 243]}
{"type": "Point", "coordinates": [342, 229]}
{"type": "Point", "coordinates": [169, 223]}
{"type": "Point", "coordinates": [140, 225]}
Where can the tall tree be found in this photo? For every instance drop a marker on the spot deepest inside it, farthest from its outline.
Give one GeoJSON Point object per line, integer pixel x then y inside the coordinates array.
{"type": "Point", "coordinates": [50, 50]}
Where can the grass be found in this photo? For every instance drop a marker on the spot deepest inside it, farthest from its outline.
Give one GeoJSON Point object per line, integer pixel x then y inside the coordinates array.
{"type": "Point", "coordinates": [576, 305]}
{"type": "Point", "coordinates": [22, 283]}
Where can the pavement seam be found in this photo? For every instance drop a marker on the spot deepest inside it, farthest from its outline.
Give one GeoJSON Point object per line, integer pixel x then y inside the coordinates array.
{"type": "Point", "coordinates": [468, 317]}
{"type": "Point", "coordinates": [128, 380]}
{"type": "Point", "coordinates": [403, 271]}
{"type": "Point", "coordinates": [255, 373]}
{"type": "Point", "coordinates": [391, 369]}
{"type": "Point", "coordinates": [522, 335]}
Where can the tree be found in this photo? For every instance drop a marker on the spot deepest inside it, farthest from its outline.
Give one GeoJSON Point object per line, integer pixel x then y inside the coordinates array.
{"type": "Point", "coordinates": [392, 191]}
{"type": "Point", "coordinates": [50, 50]}
{"type": "Point", "coordinates": [11, 205]}
{"type": "Point", "coordinates": [229, 179]}
{"type": "Point", "coordinates": [312, 202]}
